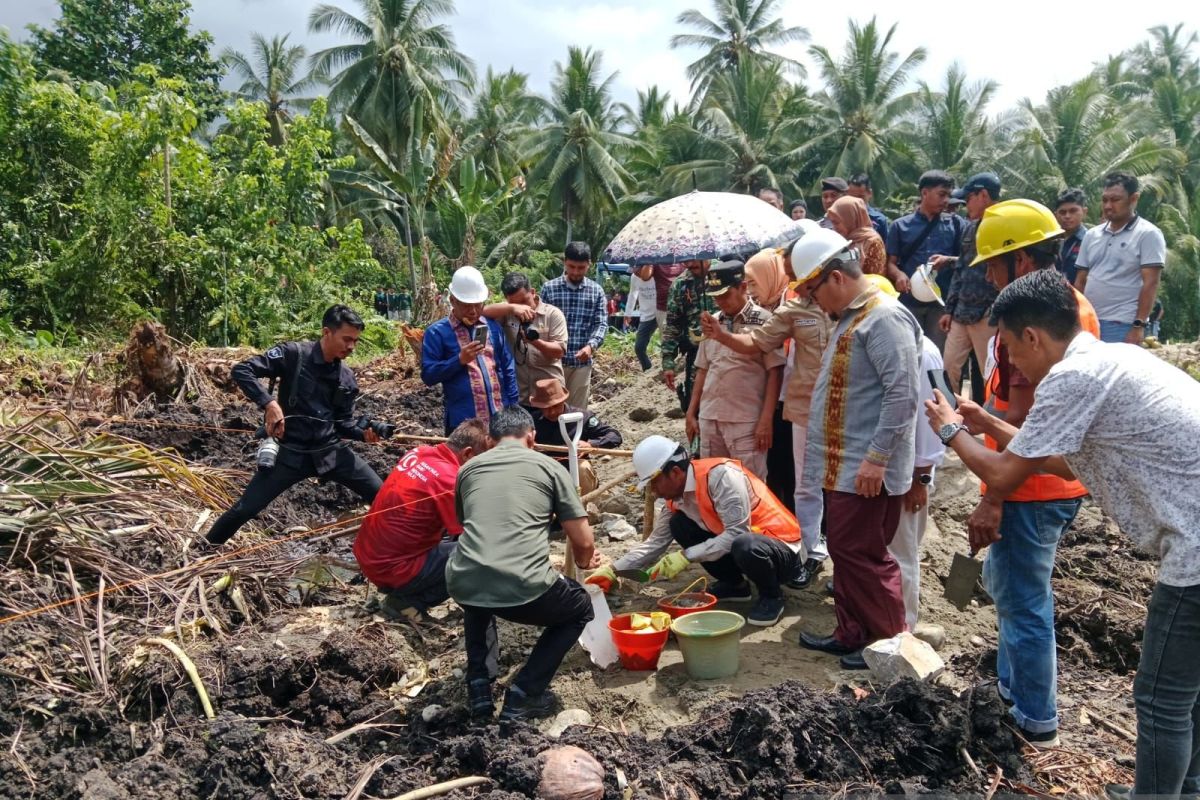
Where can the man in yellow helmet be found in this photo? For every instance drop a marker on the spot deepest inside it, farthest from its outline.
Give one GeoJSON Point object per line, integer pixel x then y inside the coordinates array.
{"type": "Point", "coordinates": [1022, 526]}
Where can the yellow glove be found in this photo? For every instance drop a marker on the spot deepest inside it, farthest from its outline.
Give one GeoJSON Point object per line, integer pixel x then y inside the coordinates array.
{"type": "Point", "coordinates": [603, 577]}
{"type": "Point", "coordinates": [669, 566]}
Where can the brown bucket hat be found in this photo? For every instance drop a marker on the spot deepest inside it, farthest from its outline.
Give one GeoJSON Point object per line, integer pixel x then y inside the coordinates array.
{"type": "Point", "coordinates": [548, 392]}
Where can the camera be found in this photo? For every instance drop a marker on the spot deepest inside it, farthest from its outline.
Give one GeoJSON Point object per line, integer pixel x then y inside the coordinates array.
{"type": "Point", "coordinates": [383, 430]}
{"type": "Point", "coordinates": [529, 332]}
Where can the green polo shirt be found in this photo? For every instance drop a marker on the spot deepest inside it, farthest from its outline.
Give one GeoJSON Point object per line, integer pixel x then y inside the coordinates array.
{"type": "Point", "coordinates": [505, 498]}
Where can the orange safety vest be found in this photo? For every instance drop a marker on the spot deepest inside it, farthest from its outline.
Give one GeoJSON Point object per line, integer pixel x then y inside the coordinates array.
{"type": "Point", "coordinates": [768, 516]}
{"type": "Point", "coordinates": [1040, 486]}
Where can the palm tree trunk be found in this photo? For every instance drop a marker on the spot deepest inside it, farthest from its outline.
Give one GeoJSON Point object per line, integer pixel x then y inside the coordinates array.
{"type": "Point", "coordinates": [567, 212]}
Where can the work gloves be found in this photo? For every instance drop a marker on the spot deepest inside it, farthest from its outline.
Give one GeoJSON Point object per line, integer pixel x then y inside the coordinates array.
{"type": "Point", "coordinates": [603, 577]}
{"type": "Point", "coordinates": [669, 566]}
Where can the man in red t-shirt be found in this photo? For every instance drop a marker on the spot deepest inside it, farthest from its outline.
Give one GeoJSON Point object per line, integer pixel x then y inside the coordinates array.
{"type": "Point", "coordinates": [412, 527]}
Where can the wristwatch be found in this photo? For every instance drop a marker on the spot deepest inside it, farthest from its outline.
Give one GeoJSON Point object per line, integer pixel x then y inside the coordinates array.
{"type": "Point", "coordinates": [1139, 323]}
{"type": "Point", "coordinates": [949, 431]}
{"type": "Point", "coordinates": [925, 478]}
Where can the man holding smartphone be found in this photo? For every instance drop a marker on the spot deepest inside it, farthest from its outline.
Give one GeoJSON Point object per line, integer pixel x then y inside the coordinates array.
{"type": "Point", "coordinates": [468, 355]}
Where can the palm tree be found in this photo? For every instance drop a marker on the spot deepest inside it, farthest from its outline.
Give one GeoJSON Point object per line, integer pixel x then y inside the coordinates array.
{"type": "Point", "coordinates": [862, 107]}
{"type": "Point", "coordinates": [740, 32]}
{"type": "Point", "coordinates": [577, 153]}
{"type": "Point", "coordinates": [504, 108]}
{"type": "Point", "coordinates": [651, 110]}
{"type": "Point", "coordinates": [952, 122]}
{"type": "Point", "coordinates": [272, 78]}
{"type": "Point", "coordinates": [401, 66]}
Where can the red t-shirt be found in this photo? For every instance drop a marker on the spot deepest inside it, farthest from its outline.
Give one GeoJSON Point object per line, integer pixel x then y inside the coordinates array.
{"type": "Point", "coordinates": [391, 546]}
{"type": "Point", "coordinates": [664, 276]}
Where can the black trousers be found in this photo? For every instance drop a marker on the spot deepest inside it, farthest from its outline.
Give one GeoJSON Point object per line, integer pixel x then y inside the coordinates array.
{"type": "Point", "coordinates": [763, 560]}
{"type": "Point", "coordinates": [564, 610]}
{"type": "Point", "coordinates": [781, 462]}
{"type": "Point", "coordinates": [683, 388]}
{"type": "Point", "coordinates": [645, 330]}
{"type": "Point", "coordinates": [267, 484]}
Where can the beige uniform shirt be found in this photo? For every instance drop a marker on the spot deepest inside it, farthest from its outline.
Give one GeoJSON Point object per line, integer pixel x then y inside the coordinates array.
{"type": "Point", "coordinates": [735, 383]}
{"type": "Point", "coordinates": [808, 327]}
{"type": "Point", "coordinates": [530, 364]}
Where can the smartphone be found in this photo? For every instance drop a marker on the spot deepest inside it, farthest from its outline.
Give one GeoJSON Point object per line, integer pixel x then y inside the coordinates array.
{"type": "Point", "coordinates": [481, 334]}
{"type": "Point", "coordinates": [940, 380]}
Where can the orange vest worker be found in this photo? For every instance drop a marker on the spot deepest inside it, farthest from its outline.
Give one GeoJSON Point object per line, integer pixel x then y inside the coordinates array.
{"type": "Point", "coordinates": [767, 515]}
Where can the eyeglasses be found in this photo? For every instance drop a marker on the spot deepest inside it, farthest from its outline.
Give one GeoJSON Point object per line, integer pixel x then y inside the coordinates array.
{"type": "Point", "coordinates": [812, 290]}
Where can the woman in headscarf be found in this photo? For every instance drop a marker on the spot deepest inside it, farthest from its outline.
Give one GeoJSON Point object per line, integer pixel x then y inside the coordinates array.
{"type": "Point", "coordinates": [850, 219]}
{"type": "Point", "coordinates": [767, 284]}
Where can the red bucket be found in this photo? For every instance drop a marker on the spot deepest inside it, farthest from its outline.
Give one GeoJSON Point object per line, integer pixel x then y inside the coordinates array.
{"type": "Point", "coordinates": [638, 651]}
{"type": "Point", "coordinates": [703, 601]}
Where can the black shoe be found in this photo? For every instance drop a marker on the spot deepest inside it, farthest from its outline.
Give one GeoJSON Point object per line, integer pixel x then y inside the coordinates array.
{"type": "Point", "coordinates": [829, 587]}
{"type": "Point", "coordinates": [805, 575]}
{"type": "Point", "coordinates": [519, 706]}
{"type": "Point", "coordinates": [1040, 741]}
{"type": "Point", "coordinates": [853, 660]}
{"type": "Point", "coordinates": [479, 698]}
{"type": "Point", "coordinates": [1116, 791]}
{"type": "Point", "coordinates": [766, 611]}
{"type": "Point", "coordinates": [826, 644]}
{"type": "Point", "coordinates": [734, 592]}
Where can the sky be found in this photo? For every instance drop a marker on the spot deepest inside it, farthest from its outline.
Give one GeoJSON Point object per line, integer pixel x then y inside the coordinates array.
{"type": "Point", "coordinates": [1050, 43]}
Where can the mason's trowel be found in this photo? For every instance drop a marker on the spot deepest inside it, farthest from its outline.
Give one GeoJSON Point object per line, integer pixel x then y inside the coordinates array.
{"type": "Point", "coordinates": [963, 578]}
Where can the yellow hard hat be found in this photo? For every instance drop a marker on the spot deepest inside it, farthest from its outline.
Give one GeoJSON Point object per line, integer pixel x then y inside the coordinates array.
{"type": "Point", "coordinates": [884, 285]}
{"type": "Point", "coordinates": [1011, 225]}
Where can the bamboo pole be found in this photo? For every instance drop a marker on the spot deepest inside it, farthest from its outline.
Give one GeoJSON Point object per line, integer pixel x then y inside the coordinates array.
{"type": "Point", "coordinates": [545, 448]}
{"type": "Point", "coordinates": [615, 482]}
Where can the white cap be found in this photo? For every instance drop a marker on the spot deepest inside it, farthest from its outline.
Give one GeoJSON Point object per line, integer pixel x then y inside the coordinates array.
{"type": "Point", "coordinates": [467, 286]}
{"type": "Point", "coordinates": [649, 457]}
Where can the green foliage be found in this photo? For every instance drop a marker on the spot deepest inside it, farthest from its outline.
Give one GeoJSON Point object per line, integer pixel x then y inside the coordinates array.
{"type": "Point", "coordinates": [106, 40]}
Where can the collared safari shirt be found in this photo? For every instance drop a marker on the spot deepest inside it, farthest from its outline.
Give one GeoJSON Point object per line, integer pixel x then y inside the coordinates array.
{"type": "Point", "coordinates": [866, 397]}
{"type": "Point", "coordinates": [1114, 261]}
{"type": "Point", "coordinates": [735, 383]}
{"type": "Point", "coordinates": [681, 333]}
{"type": "Point", "coordinates": [808, 327]}
{"type": "Point", "coordinates": [531, 365]}
{"type": "Point", "coordinates": [586, 309]}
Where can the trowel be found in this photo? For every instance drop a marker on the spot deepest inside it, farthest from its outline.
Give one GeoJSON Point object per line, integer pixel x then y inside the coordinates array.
{"type": "Point", "coordinates": [962, 580]}
{"type": "Point", "coordinates": [639, 575]}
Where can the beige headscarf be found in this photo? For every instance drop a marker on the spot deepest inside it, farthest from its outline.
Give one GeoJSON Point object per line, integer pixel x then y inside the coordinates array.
{"type": "Point", "coordinates": [765, 268]}
{"type": "Point", "coordinates": [851, 212]}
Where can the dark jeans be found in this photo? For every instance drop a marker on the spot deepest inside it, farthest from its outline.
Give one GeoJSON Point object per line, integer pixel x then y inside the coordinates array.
{"type": "Point", "coordinates": [1166, 692]}
{"type": "Point", "coordinates": [428, 588]}
{"type": "Point", "coordinates": [683, 388]}
{"type": "Point", "coordinates": [267, 484]}
{"type": "Point", "coordinates": [764, 560]}
{"type": "Point", "coordinates": [564, 610]}
{"type": "Point", "coordinates": [781, 462]}
{"type": "Point", "coordinates": [645, 330]}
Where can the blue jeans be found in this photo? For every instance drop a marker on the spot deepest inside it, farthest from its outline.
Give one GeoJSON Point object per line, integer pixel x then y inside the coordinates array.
{"type": "Point", "coordinates": [1016, 574]}
{"type": "Point", "coordinates": [1166, 692]}
{"type": "Point", "coordinates": [645, 330]}
{"type": "Point", "coordinates": [1114, 331]}
{"type": "Point", "coordinates": [428, 588]}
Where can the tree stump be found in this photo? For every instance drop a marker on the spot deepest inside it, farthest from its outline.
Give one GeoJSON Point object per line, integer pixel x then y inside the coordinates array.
{"type": "Point", "coordinates": [150, 363]}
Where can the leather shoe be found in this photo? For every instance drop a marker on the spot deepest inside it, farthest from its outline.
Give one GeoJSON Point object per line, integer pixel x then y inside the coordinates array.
{"type": "Point", "coordinates": [826, 644]}
{"type": "Point", "coordinates": [853, 660]}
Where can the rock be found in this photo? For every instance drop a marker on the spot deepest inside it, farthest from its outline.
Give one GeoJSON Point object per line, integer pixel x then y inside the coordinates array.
{"type": "Point", "coordinates": [565, 719]}
{"type": "Point", "coordinates": [977, 641]}
{"type": "Point", "coordinates": [903, 656]}
{"type": "Point", "coordinates": [643, 414]}
{"type": "Point", "coordinates": [615, 527]}
{"type": "Point", "coordinates": [675, 412]}
{"type": "Point", "coordinates": [431, 712]}
{"type": "Point", "coordinates": [934, 635]}
{"type": "Point", "coordinates": [614, 503]}
{"type": "Point", "coordinates": [593, 512]}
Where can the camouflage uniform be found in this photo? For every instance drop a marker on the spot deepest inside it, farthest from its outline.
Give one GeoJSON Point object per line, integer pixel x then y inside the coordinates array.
{"type": "Point", "coordinates": [681, 334]}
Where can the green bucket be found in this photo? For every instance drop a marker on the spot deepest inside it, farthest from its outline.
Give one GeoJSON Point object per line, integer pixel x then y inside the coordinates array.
{"type": "Point", "coordinates": [709, 643]}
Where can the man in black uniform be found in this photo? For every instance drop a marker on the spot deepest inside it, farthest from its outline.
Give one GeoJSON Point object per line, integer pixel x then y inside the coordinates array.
{"type": "Point", "coordinates": [317, 393]}
{"type": "Point", "coordinates": [549, 402]}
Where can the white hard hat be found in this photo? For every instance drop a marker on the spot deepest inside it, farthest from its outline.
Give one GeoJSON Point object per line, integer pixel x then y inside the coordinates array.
{"type": "Point", "coordinates": [650, 456]}
{"type": "Point", "coordinates": [924, 287]}
{"type": "Point", "coordinates": [467, 286]}
{"type": "Point", "coordinates": [814, 250]}
{"type": "Point", "coordinates": [808, 226]}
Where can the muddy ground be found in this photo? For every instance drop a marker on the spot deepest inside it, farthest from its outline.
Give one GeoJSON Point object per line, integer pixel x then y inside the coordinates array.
{"type": "Point", "coordinates": [322, 698]}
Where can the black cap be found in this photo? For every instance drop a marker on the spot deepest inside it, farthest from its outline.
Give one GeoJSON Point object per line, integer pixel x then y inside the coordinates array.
{"type": "Point", "coordinates": [957, 198]}
{"type": "Point", "coordinates": [834, 184]}
{"type": "Point", "coordinates": [984, 180]}
{"type": "Point", "coordinates": [723, 276]}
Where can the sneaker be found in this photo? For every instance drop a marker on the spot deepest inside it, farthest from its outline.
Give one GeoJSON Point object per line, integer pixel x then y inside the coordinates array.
{"type": "Point", "coordinates": [479, 698]}
{"type": "Point", "coordinates": [805, 575]}
{"type": "Point", "coordinates": [1040, 741]}
{"type": "Point", "coordinates": [766, 611]}
{"type": "Point", "coordinates": [519, 707]}
{"type": "Point", "coordinates": [397, 610]}
{"type": "Point", "coordinates": [731, 592]}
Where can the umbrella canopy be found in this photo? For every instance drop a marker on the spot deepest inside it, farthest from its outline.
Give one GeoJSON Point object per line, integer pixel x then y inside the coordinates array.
{"type": "Point", "coordinates": [701, 225]}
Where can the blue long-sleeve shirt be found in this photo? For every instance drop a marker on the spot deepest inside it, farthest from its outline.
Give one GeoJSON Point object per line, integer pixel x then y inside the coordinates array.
{"type": "Point", "coordinates": [479, 389]}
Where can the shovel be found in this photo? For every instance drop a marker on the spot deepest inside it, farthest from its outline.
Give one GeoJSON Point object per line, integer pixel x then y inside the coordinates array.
{"type": "Point", "coordinates": [573, 464]}
{"type": "Point", "coordinates": [964, 576]}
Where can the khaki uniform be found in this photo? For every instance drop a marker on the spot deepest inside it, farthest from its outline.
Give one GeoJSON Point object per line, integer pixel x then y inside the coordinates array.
{"type": "Point", "coordinates": [531, 365]}
{"type": "Point", "coordinates": [808, 327]}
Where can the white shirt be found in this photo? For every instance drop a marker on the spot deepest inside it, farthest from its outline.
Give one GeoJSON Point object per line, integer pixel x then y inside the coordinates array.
{"type": "Point", "coordinates": [1128, 424]}
{"type": "Point", "coordinates": [641, 298]}
{"type": "Point", "coordinates": [930, 450]}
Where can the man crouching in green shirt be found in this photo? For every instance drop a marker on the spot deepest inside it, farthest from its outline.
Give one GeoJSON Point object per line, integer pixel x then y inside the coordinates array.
{"type": "Point", "coordinates": [506, 499]}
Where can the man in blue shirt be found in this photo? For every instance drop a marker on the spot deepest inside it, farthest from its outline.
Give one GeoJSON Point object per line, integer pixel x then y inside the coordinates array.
{"type": "Point", "coordinates": [1070, 209]}
{"type": "Point", "coordinates": [860, 187]}
{"type": "Point", "coordinates": [468, 355]}
{"type": "Point", "coordinates": [929, 234]}
{"type": "Point", "coordinates": [583, 303]}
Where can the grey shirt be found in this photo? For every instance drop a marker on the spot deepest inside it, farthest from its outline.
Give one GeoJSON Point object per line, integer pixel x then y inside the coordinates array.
{"type": "Point", "coordinates": [1114, 261]}
{"type": "Point", "coordinates": [866, 397]}
{"type": "Point", "coordinates": [1127, 423]}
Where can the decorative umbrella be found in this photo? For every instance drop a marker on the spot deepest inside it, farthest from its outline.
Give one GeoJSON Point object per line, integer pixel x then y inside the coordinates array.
{"type": "Point", "coordinates": [700, 225]}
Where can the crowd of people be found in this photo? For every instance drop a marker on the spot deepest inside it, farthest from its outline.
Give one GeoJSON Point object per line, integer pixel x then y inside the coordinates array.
{"type": "Point", "coordinates": [806, 375]}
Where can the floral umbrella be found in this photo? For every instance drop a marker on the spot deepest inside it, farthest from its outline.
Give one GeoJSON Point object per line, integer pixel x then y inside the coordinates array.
{"type": "Point", "coordinates": [701, 225]}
